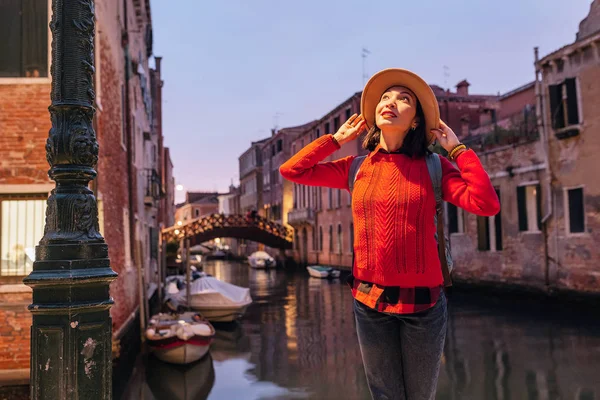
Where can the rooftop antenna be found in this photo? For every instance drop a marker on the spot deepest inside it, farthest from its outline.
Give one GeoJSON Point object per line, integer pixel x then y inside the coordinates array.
{"type": "Point", "coordinates": [446, 75]}
{"type": "Point", "coordinates": [364, 55]}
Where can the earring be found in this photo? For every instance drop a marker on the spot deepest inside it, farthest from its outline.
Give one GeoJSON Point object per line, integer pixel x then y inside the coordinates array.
{"type": "Point", "coordinates": [413, 128]}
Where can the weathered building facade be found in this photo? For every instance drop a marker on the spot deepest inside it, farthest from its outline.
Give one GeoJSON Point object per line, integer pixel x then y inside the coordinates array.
{"type": "Point", "coordinates": [24, 184]}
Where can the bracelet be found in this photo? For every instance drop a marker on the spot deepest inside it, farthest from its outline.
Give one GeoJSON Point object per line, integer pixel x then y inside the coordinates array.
{"type": "Point", "coordinates": [455, 149]}
{"type": "Point", "coordinates": [458, 153]}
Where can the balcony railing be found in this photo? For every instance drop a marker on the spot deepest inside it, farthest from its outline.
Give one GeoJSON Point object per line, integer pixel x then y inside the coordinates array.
{"type": "Point", "coordinates": [301, 216]}
{"type": "Point", "coordinates": [153, 190]}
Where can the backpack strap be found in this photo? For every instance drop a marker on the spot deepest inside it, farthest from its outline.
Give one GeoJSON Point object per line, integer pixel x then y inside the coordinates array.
{"type": "Point", "coordinates": [434, 166]}
{"type": "Point", "coordinates": [354, 167]}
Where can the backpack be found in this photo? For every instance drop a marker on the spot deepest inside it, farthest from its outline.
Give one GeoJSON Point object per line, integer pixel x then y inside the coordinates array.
{"type": "Point", "coordinates": [434, 166]}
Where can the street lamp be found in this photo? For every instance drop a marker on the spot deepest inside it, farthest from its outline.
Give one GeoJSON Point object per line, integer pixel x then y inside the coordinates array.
{"type": "Point", "coordinates": [71, 335]}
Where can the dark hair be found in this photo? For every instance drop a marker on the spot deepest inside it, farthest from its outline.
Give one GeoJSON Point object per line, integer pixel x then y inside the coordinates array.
{"type": "Point", "coordinates": [414, 144]}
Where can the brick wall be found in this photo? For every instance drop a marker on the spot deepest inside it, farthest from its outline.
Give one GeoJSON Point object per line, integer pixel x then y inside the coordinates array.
{"type": "Point", "coordinates": [112, 181]}
{"type": "Point", "coordinates": [15, 321]}
{"type": "Point", "coordinates": [24, 126]}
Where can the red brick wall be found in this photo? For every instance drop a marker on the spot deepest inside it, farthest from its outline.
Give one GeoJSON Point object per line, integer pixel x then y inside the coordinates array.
{"type": "Point", "coordinates": [15, 321]}
{"type": "Point", "coordinates": [113, 183]}
{"type": "Point", "coordinates": [24, 126]}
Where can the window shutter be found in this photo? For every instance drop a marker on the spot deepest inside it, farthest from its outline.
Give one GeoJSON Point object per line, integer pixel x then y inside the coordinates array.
{"type": "Point", "coordinates": [483, 238]}
{"type": "Point", "coordinates": [538, 204]}
{"type": "Point", "coordinates": [572, 109]}
{"type": "Point", "coordinates": [452, 218]}
{"type": "Point", "coordinates": [576, 215]}
{"type": "Point", "coordinates": [498, 226]}
{"type": "Point", "coordinates": [35, 38]}
{"type": "Point", "coordinates": [522, 208]}
{"type": "Point", "coordinates": [10, 42]}
{"type": "Point", "coordinates": [556, 106]}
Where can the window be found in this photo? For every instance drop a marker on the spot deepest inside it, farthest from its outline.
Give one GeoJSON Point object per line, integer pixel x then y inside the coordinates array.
{"type": "Point", "coordinates": [483, 233]}
{"type": "Point", "coordinates": [294, 148]}
{"type": "Point", "coordinates": [348, 113]}
{"type": "Point", "coordinates": [529, 208]}
{"type": "Point", "coordinates": [331, 238]}
{"type": "Point", "coordinates": [327, 128]}
{"type": "Point", "coordinates": [489, 231]}
{"type": "Point", "coordinates": [279, 145]}
{"type": "Point", "coordinates": [318, 132]}
{"type": "Point", "coordinates": [575, 211]}
{"type": "Point", "coordinates": [339, 198]}
{"type": "Point", "coordinates": [339, 239]}
{"type": "Point", "coordinates": [329, 198]}
{"type": "Point", "coordinates": [272, 149]}
{"type": "Point", "coordinates": [197, 213]}
{"type": "Point", "coordinates": [563, 104]}
{"type": "Point", "coordinates": [336, 124]}
{"type": "Point", "coordinates": [22, 228]}
{"type": "Point", "coordinates": [455, 219]}
{"type": "Point", "coordinates": [320, 238]}
{"type": "Point", "coordinates": [351, 237]}
{"type": "Point", "coordinates": [24, 44]}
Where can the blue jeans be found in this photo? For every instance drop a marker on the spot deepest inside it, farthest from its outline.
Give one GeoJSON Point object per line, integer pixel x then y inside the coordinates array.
{"type": "Point", "coordinates": [402, 352]}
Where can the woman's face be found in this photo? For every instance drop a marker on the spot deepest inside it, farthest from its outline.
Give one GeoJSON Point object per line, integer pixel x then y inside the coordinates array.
{"type": "Point", "coordinates": [396, 109]}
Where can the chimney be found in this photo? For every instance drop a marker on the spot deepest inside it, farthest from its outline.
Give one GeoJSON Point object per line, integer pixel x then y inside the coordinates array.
{"type": "Point", "coordinates": [273, 132]}
{"type": "Point", "coordinates": [462, 88]}
{"type": "Point", "coordinates": [157, 61]}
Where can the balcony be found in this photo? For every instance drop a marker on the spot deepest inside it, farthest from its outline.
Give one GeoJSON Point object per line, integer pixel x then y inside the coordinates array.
{"type": "Point", "coordinates": [153, 190]}
{"type": "Point", "coordinates": [301, 216]}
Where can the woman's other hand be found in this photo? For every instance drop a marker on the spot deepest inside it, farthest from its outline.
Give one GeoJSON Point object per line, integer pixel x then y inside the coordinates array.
{"type": "Point", "coordinates": [446, 136]}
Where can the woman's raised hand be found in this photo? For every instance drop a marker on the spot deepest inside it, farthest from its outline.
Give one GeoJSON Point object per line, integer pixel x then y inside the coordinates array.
{"type": "Point", "coordinates": [350, 130]}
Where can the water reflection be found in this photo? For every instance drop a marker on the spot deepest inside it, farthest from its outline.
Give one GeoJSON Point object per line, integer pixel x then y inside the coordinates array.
{"type": "Point", "coordinates": [180, 382]}
{"type": "Point", "coordinates": [298, 340]}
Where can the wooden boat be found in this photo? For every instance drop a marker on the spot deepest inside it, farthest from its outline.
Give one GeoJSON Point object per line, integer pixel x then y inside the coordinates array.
{"type": "Point", "coordinates": [179, 338]}
{"type": "Point", "coordinates": [317, 271]}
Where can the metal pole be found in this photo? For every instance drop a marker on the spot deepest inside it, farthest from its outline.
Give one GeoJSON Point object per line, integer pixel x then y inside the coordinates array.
{"type": "Point", "coordinates": [188, 273]}
{"type": "Point", "coordinates": [71, 336]}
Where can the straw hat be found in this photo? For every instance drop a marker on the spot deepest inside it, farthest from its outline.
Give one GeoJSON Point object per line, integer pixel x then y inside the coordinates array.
{"type": "Point", "coordinates": [387, 78]}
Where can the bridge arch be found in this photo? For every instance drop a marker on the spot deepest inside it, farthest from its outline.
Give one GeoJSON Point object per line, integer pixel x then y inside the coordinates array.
{"type": "Point", "coordinates": [257, 229]}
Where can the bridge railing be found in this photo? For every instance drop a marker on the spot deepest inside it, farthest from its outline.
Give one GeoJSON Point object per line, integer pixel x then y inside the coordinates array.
{"type": "Point", "coordinates": [205, 224]}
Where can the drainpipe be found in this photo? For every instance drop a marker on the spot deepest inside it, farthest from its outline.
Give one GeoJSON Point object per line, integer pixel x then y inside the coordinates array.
{"type": "Point", "coordinates": [550, 195]}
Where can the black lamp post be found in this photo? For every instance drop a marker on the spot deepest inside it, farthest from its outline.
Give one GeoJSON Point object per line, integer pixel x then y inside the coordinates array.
{"type": "Point", "coordinates": [71, 334]}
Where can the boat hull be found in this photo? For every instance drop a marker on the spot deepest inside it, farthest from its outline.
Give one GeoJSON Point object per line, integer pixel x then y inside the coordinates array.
{"type": "Point", "coordinates": [323, 273]}
{"type": "Point", "coordinates": [221, 314]}
{"type": "Point", "coordinates": [179, 351]}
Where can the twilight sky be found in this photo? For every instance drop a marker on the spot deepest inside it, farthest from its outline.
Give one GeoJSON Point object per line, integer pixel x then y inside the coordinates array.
{"type": "Point", "coordinates": [233, 69]}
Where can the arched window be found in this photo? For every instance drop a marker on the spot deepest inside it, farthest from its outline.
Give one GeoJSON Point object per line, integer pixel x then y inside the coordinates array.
{"type": "Point", "coordinates": [331, 238]}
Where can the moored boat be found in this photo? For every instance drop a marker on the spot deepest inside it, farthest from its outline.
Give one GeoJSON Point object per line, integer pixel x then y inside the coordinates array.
{"type": "Point", "coordinates": [261, 259]}
{"type": "Point", "coordinates": [321, 272]}
{"type": "Point", "coordinates": [179, 338]}
{"type": "Point", "coordinates": [216, 300]}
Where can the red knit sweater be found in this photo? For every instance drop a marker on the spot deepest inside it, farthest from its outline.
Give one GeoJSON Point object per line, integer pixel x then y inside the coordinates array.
{"type": "Point", "coordinates": [393, 206]}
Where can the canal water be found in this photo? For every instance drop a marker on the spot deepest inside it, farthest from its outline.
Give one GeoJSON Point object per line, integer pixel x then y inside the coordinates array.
{"type": "Point", "coordinates": [298, 341]}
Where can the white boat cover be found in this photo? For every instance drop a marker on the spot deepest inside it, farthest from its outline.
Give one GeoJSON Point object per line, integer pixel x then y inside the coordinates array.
{"type": "Point", "coordinates": [261, 255]}
{"type": "Point", "coordinates": [213, 293]}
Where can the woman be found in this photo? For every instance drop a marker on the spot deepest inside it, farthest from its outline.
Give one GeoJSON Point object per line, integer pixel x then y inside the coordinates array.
{"type": "Point", "coordinates": [399, 302]}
